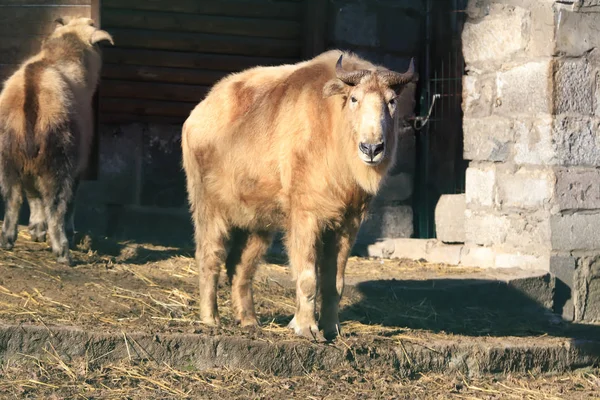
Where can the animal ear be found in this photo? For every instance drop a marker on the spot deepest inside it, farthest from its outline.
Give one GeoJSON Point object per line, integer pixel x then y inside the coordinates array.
{"type": "Point", "coordinates": [333, 87]}
{"type": "Point", "coordinates": [60, 21]}
{"type": "Point", "coordinates": [100, 35]}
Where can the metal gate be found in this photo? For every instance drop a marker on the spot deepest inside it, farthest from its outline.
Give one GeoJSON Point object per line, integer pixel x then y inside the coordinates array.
{"type": "Point", "coordinates": [440, 164]}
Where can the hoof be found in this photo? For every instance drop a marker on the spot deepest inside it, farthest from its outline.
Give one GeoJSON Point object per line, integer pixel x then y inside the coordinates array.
{"type": "Point", "coordinates": [6, 244]}
{"type": "Point", "coordinates": [309, 331]}
{"type": "Point", "coordinates": [41, 237]}
{"type": "Point", "coordinates": [65, 260]}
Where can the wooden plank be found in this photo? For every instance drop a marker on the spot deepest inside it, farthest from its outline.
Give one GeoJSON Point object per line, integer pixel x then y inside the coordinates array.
{"type": "Point", "coordinates": [161, 74]}
{"type": "Point", "coordinates": [232, 8]}
{"type": "Point", "coordinates": [146, 107]}
{"type": "Point", "coordinates": [113, 118]}
{"type": "Point", "coordinates": [178, 22]}
{"type": "Point", "coordinates": [153, 91]}
{"type": "Point", "coordinates": [205, 43]}
{"type": "Point", "coordinates": [160, 58]}
{"type": "Point", "coordinates": [315, 28]}
{"type": "Point", "coordinates": [44, 3]}
{"type": "Point", "coordinates": [14, 50]}
{"type": "Point", "coordinates": [19, 21]}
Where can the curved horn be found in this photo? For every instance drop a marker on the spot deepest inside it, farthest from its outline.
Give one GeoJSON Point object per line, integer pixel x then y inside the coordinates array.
{"type": "Point", "coordinates": [349, 78]}
{"type": "Point", "coordinates": [391, 78]}
{"type": "Point", "coordinates": [100, 35]}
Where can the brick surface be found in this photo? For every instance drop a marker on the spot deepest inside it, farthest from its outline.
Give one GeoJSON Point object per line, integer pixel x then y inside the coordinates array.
{"type": "Point", "coordinates": [577, 188]}
{"type": "Point", "coordinates": [487, 139]}
{"type": "Point", "coordinates": [525, 89]}
{"type": "Point", "coordinates": [573, 86]}
{"type": "Point", "coordinates": [479, 186]}
{"type": "Point", "coordinates": [525, 189]}
{"type": "Point", "coordinates": [575, 232]}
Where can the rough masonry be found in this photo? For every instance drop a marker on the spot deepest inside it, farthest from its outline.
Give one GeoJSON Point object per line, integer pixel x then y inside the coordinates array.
{"type": "Point", "coordinates": [531, 102]}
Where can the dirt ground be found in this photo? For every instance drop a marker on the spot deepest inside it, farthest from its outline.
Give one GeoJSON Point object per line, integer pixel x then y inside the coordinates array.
{"type": "Point", "coordinates": [117, 287]}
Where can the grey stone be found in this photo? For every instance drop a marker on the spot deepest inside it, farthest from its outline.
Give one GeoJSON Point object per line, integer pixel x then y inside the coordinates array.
{"type": "Point", "coordinates": [485, 229]}
{"type": "Point", "coordinates": [355, 24]}
{"type": "Point", "coordinates": [478, 256]}
{"type": "Point", "coordinates": [571, 232]}
{"type": "Point", "coordinates": [577, 32]}
{"type": "Point", "coordinates": [534, 141]}
{"type": "Point", "coordinates": [597, 94]}
{"type": "Point", "coordinates": [563, 267]}
{"type": "Point", "coordinates": [525, 189]}
{"type": "Point", "coordinates": [577, 188]}
{"type": "Point", "coordinates": [525, 89]}
{"type": "Point", "coordinates": [487, 139]}
{"type": "Point", "coordinates": [395, 189]}
{"type": "Point", "coordinates": [430, 250]}
{"type": "Point", "coordinates": [523, 261]}
{"type": "Point", "coordinates": [450, 218]}
{"type": "Point", "coordinates": [386, 222]}
{"type": "Point", "coordinates": [573, 86]}
{"type": "Point", "coordinates": [398, 30]}
{"type": "Point", "coordinates": [542, 28]}
{"type": "Point", "coordinates": [478, 95]}
{"type": "Point", "coordinates": [497, 36]}
{"type": "Point", "coordinates": [480, 185]}
{"type": "Point", "coordinates": [587, 289]}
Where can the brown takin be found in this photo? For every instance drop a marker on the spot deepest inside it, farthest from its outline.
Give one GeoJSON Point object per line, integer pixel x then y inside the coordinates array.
{"type": "Point", "coordinates": [46, 131]}
{"type": "Point", "coordinates": [295, 148]}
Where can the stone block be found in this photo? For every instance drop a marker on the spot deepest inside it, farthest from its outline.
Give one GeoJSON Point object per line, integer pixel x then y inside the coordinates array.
{"type": "Point", "coordinates": [577, 231]}
{"type": "Point", "coordinates": [487, 139]}
{"type": "Point", "coordinates": [399, 30]}
{"type": "Point", "coordinates": [485, 229]}
{"type": "Point", "coordinates": [577, 32]}
{"type": "Point", "coordinates": [395, 189]}
{"type": "Point", "coordinates": [577, 188]}
{"type": "Point", "coordinates": [562, 267]}
{"type": "Point", "coordinates": [542, 28]}
{"type": "Point", "coordinates": [573, 86]}
{"type": "Point", "coordinates": [479, 185]}
{"type": "Point", "coordinates": [450, 218]}
{"type": "Point", "coordinates": [576, 141]}
{"type": "Point", "coordinates": [597, 94]}
{"type": "Point", "coordinates": [586, 290]}
{"type": "Point", "coordinates": [478, 95]}
{"type": "Point", "coordinates": [522, 232]}
{"type": "Point", "coordinates": [565, 140]}
{"type": "Point", "coordinates": [386, 222]}
{"type": "Point", "coordinates": [432, 251]}
{"type": "Point", "coordinates": [525, 189]}
{"type": "Point", "coordinates": [497, 36]}
{"type": "Point", "coordinates": [355, 24]}
{"type": "Point", "coordinates": [523, 261]}
{"type": "Point", "coordinates": [526, 89]}
{"type": "Point", "coordinates": [478, 256]}
{"type": "Point", "coordinates": [163, 179]}
{"type": "Point", "coordinates": [534, 142]}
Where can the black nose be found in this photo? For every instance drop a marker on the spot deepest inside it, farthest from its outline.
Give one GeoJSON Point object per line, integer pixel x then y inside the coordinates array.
{"type": "Point", "coordinates": [371, 149]}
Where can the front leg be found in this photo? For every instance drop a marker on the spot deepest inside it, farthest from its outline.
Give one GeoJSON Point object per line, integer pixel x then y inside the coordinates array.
{"type": "Point", "coordinates": [332, 265]}
{"type": "Point", "coordinates": [301, 246]}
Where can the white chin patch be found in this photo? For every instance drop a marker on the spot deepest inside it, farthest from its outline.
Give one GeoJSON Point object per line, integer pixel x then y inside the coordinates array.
{"type": "Point", "coordinates": [367, 160]}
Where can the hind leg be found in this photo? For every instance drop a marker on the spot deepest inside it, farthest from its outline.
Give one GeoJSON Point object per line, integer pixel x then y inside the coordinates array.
{"type": "Point", "coordinates": [13, 198]}
{"type": "Point", "coordinates": [210, 252]}
{"type": "Point", "coordinates": [56, 195]}
{"type": "Point", "coordinates": [70, 217]}
{"type": "Point", "coordinates": [37, 217]}
{"type": "Point", "coordinates": [247, 250]}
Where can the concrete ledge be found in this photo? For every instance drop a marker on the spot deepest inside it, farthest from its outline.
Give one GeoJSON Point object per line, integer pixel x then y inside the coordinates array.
{"type": "Point", "coordinates": [472, 357]}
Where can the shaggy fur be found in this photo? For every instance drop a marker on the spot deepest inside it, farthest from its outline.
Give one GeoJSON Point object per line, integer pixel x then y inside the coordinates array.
{"type": "Point", "coordinates": [277, 148]}
{"type": "Point", "coordinates": [46, 132]}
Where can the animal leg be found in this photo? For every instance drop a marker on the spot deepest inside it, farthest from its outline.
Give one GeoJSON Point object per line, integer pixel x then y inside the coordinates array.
{"type": "Point", "coordinates": [56, 195]}
{"type": "Point", "coordinates": [336, 249]}
{"type": "Point", "coordinates": [210, 252]}
{"type": "Point", "coordinates": [246, 252]}
{"type": "Point", "coordinates": [13, 199]}
{"type": "Point", "coordinates": [37, 217]}
{"type": "Point", "coordinates": [301, 245]}
{"type": "Point", "coordinates": [70, 216]}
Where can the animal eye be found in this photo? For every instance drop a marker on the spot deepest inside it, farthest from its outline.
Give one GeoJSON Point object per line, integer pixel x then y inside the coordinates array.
{"type": "Point", "coordinates": [353, 99]}
{"type": "Point", "coordinates": [392, 102]}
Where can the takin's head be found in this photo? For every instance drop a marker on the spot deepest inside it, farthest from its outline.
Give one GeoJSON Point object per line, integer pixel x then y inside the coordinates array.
{"type": "Point", "coordinates": [80, 29]}
{"type": "Point", "coordinates": [370, 108]}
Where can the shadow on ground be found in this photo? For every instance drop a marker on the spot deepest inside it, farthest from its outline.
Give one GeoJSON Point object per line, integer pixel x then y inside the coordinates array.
{"type": "Point", "coordinates": [469, 307]}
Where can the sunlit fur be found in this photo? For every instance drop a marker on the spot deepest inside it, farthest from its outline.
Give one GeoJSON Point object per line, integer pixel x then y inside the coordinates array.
{"type": "Point", "coordinates": [275, 148]}
{"type": "Point", "coordinates": [46, 132]}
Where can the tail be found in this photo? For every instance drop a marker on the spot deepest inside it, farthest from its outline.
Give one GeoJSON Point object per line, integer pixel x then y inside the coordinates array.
{"type": "Point", "coordinates": [31, 107]}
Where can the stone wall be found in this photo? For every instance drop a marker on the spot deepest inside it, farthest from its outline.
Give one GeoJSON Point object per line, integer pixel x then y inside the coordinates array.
{"type": "Point", "coordinates": [387, 32]}
{"type": "Point", "coordinates": [531, 102]}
